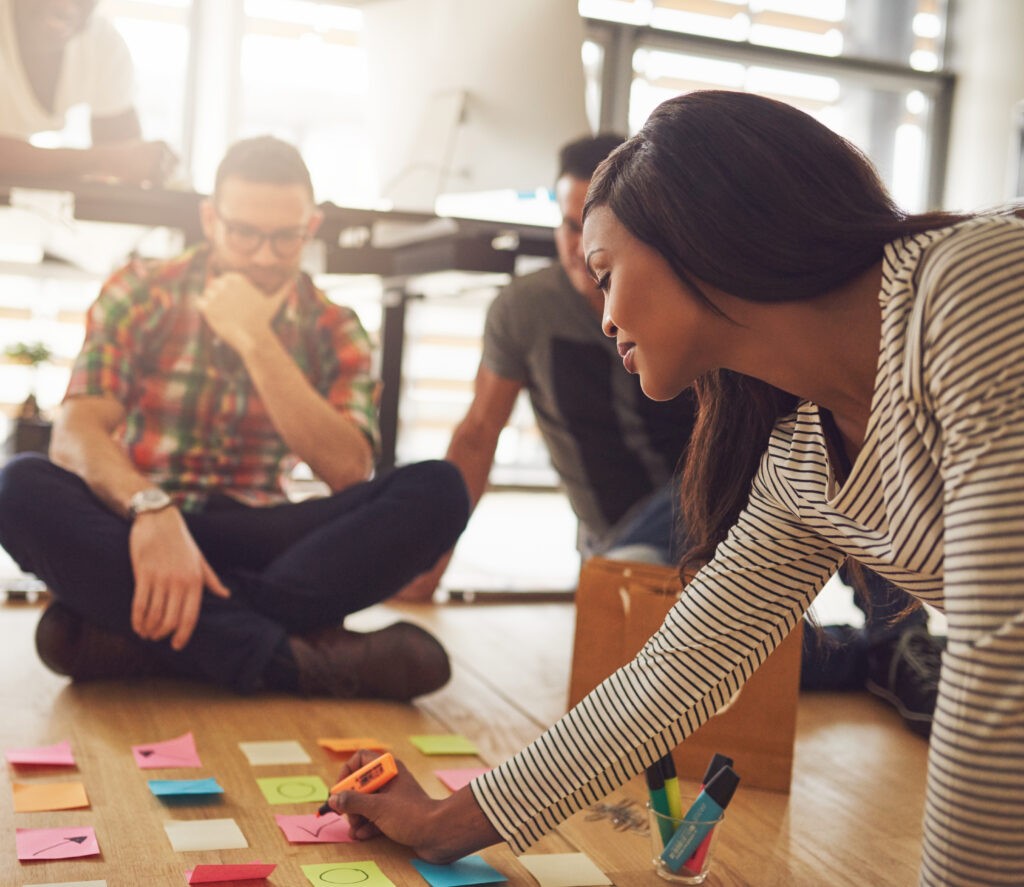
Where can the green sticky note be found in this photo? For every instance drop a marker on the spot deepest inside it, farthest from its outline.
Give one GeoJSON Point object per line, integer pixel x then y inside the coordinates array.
{"type": "Point", "coordinates": [444, 744]}
{"type": "Point", "coordinates": [365, 874]}
{"type": "Point", "coordinates": [293, 789]}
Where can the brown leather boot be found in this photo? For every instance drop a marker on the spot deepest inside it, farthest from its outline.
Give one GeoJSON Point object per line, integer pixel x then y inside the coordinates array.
{"type": "Point", "coordinates": [399, 662]}
{"type": "Point", "coordinates": [70, 646]}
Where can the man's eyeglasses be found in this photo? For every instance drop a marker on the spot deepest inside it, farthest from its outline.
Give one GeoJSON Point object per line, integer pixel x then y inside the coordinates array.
{"type": "Point", "coordinates": [242, 238]}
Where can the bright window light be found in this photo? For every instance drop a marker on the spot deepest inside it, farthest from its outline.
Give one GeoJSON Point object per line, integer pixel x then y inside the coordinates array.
{"type": "Point", "coordinates": [733, 27]}
{"type": "Point", "coordinates": [319, 16]}
{"type": "Point", "coordinates": [927, 25]}
{"type": "Point", "coordinates": [830, 43]}
{"type": "Point", "coordinates": [793, 84]}
{"type": "Point", "coordinates": [908, 163]}
{"type": "Point", "coordinates": [917, 102]}
{"type": "Point", "coordinates": [625, 11]}
{"type": "Point", "coordinates": [825, 10]}
{"type": "Point", "coordinates": [924, 60]}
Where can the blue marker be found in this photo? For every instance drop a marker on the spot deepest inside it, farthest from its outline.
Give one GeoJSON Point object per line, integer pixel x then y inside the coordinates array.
{"type": "Point", "coordinates": [700, 818]}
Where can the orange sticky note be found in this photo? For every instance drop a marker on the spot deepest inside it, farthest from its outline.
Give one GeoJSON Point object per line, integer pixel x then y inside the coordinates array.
{"type": "Point", "coordinates": [39, 796]}
{"type": "Point", "coordinates": [343, 746]}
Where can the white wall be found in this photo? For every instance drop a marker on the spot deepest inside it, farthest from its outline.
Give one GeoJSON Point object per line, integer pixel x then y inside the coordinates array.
{"type": "Point", "coordinates": [987, 42]}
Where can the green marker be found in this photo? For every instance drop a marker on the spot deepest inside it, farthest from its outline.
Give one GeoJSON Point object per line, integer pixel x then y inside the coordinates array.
{"type": "Point", "coordinates": [659, 801]}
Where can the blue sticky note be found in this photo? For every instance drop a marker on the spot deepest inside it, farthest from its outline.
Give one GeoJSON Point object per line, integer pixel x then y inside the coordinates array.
{"type": "Point", "coordinates": [461, 873]}
{"type": "Point", "coordinates": [165, 788]}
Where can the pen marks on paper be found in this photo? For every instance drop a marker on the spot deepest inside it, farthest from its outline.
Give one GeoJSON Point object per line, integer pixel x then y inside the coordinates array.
{"type": "Point", "coordinates": [343, 875]}
{"type": "Point", "coordinates": [624, 816]}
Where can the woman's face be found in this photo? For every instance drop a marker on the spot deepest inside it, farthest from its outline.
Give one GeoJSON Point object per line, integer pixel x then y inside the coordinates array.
{"type": "Point", "coordinates": [665, 333]}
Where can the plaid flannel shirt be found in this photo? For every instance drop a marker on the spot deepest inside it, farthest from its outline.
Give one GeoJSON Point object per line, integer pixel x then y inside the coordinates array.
{"type": "Point", "coordinates": [194, 423]}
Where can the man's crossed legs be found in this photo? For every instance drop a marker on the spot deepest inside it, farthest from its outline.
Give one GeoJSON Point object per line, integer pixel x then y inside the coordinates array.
{"type": "Point", "coordinates": [294, 571]}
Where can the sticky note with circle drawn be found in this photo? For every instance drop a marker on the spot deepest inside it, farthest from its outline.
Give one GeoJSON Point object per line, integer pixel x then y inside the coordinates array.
{"type": "Point", "coordinates": [293, 789]}
{"type": "Point", "coordinates": [365, 874]}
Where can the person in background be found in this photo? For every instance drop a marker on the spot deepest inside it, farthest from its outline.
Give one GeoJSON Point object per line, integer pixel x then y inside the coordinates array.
{"type": "Point", "coordinates": [861, 395]}
{"type": "Point", "coordinates": [161, 525]}
{"type": "Point", "coordinates": [613, 449]}
{"type": "Point", "coordinates": [55, 54]}
{"type": "Point", "coordinates": [615, 452]}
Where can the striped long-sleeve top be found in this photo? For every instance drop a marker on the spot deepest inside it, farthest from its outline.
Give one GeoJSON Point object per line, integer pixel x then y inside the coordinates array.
{"type": "Point", "coordinates": [934, 502]}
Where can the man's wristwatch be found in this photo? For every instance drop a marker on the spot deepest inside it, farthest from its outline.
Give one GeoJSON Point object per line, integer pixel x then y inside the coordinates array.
{"type": "Point", "coordinates": [151, 499]}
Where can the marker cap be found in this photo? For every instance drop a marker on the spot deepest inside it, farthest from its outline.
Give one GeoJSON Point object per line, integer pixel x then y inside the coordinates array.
{"type": "Point", "coordinates": [722, 786]}
{"type": "Point", "coordinates": [717, 763]}
{"type": "Point", "coordinates": [654, 778]}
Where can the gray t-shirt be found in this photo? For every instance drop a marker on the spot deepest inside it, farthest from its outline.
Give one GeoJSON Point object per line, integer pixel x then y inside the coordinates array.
{"type": "Point", "coordinates": [609, 443]}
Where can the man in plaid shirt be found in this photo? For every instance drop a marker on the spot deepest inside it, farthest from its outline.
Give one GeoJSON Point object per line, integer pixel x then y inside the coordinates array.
{"type": "Point", "coordinates": [161, 525]}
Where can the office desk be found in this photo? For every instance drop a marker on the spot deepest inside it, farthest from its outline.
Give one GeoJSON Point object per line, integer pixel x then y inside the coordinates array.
{"type": "Point", "coordinates": [351, 246]}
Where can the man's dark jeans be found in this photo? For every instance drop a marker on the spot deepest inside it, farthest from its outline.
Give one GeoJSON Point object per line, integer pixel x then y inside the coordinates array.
{"type": "Point", "coordinates": [290, 568]}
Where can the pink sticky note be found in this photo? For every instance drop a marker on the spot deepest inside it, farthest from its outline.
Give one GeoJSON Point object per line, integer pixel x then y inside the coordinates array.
{"type": "Point", "coordinates": [56, 843]}
{"type": "Point", "coordinates": [308, 828]}
{"type": "Point", "coordinates": [58, 755]}
{"type": "Point", "coordinates": [456, 779]}
{"type": "Point", "coordinates": [213, 873]}
{"type": "Point", "coordinates": [180, 752]}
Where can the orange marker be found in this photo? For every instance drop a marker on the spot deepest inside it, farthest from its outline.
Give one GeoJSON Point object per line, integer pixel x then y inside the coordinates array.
{"type": "Point", "coordinates": [367, 779]}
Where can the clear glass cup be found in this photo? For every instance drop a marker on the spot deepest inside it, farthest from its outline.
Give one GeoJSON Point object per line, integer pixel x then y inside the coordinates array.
{"type": "Point", "coordinates": [695, 869]}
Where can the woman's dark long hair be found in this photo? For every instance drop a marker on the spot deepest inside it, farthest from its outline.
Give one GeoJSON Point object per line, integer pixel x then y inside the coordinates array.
{"type": "Point", "coordinates": [759, 200]}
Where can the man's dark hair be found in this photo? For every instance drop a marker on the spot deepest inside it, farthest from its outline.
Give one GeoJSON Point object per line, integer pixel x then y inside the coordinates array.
{"type": "Point", "coordinates": [264, 159]}
{"type": "Point", "coordinates": [580, 158]}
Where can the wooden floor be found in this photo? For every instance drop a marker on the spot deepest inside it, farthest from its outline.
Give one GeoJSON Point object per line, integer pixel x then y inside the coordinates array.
{"type": "Point", "coordinates": [852, 818]}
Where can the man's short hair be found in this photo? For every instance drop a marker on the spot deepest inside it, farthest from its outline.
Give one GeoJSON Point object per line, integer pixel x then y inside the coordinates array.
{"type": "Point", "coordinates": [580, 158]}
{"type": "Point", "coordinates": [264, 159]}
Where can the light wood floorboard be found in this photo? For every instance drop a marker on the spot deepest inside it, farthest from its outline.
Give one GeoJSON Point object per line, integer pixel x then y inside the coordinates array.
{"type": "Point", "coordinates": [852, 818]}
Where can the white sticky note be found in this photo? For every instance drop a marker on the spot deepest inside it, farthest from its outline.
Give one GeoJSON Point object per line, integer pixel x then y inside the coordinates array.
{"type": "Point", "coordinates": [261, 754]}
{"type": "Point", "coordinates": [71, 884]}
{"type": "Point", "coordinates": [204, 834]}
{"type": "Point", "coordinates": [564, 870]}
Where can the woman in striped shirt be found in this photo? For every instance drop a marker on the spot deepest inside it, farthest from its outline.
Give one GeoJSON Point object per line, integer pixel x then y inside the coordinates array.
{"type": "Point", "coordinates": [861, 395]}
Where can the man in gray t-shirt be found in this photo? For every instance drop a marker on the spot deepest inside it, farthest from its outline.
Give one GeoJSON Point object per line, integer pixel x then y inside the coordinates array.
{"type": "Point", "coordinates": [614, 450]}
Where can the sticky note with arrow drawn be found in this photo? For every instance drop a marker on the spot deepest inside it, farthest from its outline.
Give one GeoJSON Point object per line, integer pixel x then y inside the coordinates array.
{"type": "Point", "coordinates": [56, 843]}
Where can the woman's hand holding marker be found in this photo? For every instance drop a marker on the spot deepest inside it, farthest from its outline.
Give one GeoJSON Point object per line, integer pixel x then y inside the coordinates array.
{"type": "Point", "coordinates": [440, 831]}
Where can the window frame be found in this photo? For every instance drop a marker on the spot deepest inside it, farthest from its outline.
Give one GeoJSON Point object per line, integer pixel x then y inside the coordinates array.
{"type": "Point", "coordinates": [619, 42]}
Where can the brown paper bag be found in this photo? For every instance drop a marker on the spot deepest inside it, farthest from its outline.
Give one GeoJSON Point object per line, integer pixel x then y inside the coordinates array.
{"type": "Point", "coordinates": [619, 605]}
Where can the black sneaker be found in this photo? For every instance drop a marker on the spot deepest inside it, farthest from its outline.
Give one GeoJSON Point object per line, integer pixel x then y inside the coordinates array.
{"type": "Point", "coordinates": [905, 671]}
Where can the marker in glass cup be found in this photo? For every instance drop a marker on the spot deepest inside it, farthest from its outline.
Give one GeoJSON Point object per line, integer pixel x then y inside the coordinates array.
{"type": "Point", "coordinates": [700, 818]}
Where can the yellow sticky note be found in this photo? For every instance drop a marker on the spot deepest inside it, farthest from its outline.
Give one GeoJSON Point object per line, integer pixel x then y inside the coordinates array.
{"type": "Point", "coordinates": [443, 744]}
{"type": "Point", "coordinates": [293, 789]}
{"type": "Point", "coordinates": [343, 746]}
{"type": "Point", "coordinates": [39, 796]}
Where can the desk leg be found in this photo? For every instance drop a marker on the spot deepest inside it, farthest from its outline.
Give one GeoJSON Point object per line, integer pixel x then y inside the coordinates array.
{"type": "Point", "coordinates": [392, 343]}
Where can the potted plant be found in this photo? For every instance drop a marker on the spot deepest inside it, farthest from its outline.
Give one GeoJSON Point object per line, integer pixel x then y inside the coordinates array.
{"type": "Point", "coordinates": [31, 431]}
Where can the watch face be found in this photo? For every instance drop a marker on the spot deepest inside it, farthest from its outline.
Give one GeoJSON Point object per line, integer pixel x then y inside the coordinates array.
{"type": "Point", "coordinates": [149, 500]}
